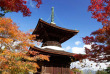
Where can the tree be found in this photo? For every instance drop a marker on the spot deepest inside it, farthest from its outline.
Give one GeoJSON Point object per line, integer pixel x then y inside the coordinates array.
{"type": "Point", "coordinates": [76, 71]}
{"type": "Point", "coordinates": [108, 70]}
{"type": "Point", "coordinates": [15, 6]}
{"type": "Point", "coordinates": [100, 44]}
{"type": "Point", "coordinates": [14, 45]}
{"type": "Point", "coordinates": [14, 54]}
{"type": "Point", "coordinates": [100, 10]}
{"type": "Point", "coordinates": [99, 39]}
{"type": "Point", "coordinates": [101, 72]}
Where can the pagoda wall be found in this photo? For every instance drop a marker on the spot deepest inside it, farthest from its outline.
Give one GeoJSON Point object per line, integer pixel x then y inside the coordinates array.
{"type": "Point", "coordinates": [56, 65]}
{"type": "Point", "coordinates": [51, 43]}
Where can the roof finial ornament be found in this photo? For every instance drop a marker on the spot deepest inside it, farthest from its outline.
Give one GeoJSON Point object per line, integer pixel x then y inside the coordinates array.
{"type": "Point", "coordinates": [52, 16]}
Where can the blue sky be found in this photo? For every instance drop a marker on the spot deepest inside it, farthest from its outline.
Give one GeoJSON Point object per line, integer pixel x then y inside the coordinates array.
{"type": "Point", "coordinates": [71, 14]}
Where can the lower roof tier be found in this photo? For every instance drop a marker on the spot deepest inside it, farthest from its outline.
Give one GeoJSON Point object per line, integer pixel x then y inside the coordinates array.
{"type": "Point", "coordinates": [48, 51]}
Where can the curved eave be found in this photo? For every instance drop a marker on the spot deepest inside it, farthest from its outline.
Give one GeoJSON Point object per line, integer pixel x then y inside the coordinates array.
{"type": "Point", "coordinates": [52, 26]}
{"type": "Point", "coordinates": [68, 32]}
{"type": "Point", "coordinates": [52, 52]}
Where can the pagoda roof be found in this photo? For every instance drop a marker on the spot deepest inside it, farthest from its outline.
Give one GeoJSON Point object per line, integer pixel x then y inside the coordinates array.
{"type": "Point", "coordinates": [48, 51]}
{"type": "Point", "coordinates": [51, 32]}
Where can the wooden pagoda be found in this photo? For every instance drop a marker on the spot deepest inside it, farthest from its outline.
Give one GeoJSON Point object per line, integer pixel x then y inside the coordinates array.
{"type": "Point", "coordinates": [52, 35]}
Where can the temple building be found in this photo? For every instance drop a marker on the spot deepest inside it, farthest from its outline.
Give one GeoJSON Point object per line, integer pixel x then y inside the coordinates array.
{"type": "Point", "coordinates": [52, 37]}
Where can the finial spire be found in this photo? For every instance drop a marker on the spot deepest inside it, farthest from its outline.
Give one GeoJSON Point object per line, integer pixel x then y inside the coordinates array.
{"type": "Point", "coordinates": [52, 16]}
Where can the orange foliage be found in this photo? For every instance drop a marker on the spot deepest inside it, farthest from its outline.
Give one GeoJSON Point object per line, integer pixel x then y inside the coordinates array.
{"type": "Point", "coordinates": [14, 46]}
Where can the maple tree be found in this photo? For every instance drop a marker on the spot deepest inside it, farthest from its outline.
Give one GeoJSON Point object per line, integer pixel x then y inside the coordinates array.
{"type": "Point", "coordinates": [100, 45]}
{"type": "Point", "coordinates": [99, 39]}
{"type": "Point", "coordinates": [100, 10]}
{"type": "Point", "coordinates": [16, 5]}
{"type": "Point", "coordinates": [14, 45]}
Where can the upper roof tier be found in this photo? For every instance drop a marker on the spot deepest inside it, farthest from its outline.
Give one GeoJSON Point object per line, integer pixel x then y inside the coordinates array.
{"type": "Point", "coordinates": [50, 32]}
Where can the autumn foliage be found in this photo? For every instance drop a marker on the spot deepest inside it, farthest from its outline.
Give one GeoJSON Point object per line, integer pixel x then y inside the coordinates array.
{"type": "Point", "coordinates": [99, 39]}
{"type": "Point", "coordinates": [100, 10]}
{"type": "Point", "coordinates": [14, 45]}
{"type": "Point", "coordinates": [17, 5]}
{"type": "Point", "coordinates": [100, 45]}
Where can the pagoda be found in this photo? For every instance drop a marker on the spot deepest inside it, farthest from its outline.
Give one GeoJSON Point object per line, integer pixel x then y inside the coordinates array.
{"type": "Point", "coordinates": [52, 37]}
